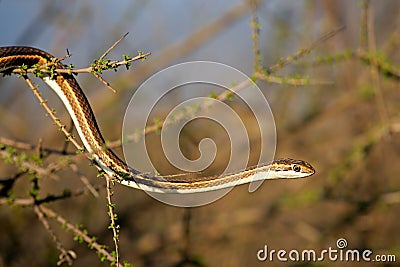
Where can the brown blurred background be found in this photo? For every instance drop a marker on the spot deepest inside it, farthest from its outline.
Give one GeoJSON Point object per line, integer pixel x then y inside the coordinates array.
{"type": "Point", "coordinates": [338, 108]}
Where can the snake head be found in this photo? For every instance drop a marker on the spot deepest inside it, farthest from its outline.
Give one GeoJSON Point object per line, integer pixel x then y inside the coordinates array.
{"type": "Point", "coordinates": [292, 168]}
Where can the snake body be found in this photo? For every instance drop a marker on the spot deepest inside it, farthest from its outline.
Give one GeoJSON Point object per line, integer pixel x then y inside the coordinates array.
{"type": "Point", "coordinates": [77, 105]}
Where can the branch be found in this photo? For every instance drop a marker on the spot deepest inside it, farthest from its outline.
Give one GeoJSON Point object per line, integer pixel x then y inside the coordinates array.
{"type": "Point", "coordinates": [113, 217]}
{"type": "Point", "coordinates": [82, 236]}
{"type": "Point", "coordinates": [302, 52]}
{"type": "Point", "coordinates": [113, 46]}
{"type": "Point", "coordinates": [9, 154]}
{"type": "Point", "coordinates": [65, 256]}
{"type": "Point", "coordinates": [289, 80]}
{"type": "Point", "coordinates": [51, 114]}
{"type": "Point", "coordinates": [96, 68]}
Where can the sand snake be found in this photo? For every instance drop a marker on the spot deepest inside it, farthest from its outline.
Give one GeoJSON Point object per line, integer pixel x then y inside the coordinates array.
{"type": "Point", "coordinates": [76, 103]}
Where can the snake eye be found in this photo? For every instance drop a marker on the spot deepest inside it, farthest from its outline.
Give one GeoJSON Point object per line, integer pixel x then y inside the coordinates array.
{"type": "Point", "coordinates": [296, 168]}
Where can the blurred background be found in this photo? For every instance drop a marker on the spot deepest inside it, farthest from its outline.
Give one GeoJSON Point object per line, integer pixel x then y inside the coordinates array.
{"type": "Point", "coordinates": [336, 105]}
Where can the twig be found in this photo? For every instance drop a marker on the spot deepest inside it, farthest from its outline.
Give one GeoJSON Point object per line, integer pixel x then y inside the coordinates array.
{"type": "Point", "coordinates": [17, 144]}
{"type": "Point", "coordinates": [84, 180]}
{"type": "Point", "coordinates": [289, 80]}
{"type": "Point", "coordinates": [58, 60]}
{"type": "Point", "coordinates": [113, 46]}
{"type": "Point", "coordinates": [51, 114]}
{"type": "Point", "coordinates": [87, 69]}
{"type": "Point", "coordinates": [65, 256]}
{"type": "Point", "coordinates": [91, 241]}
{"type": "Point", "coordinates": [50, 198]}
{"type": "Point", "coordinates": [380, 102]}
{"type": "Point", "coordinates": [103, 81]}
{"type": "Point", "coordinates": [113, 218]}
{"type": "Point", "coordinates": [255, 27]}
{"type": "Point", "coordinates": [10, 155]}
{"type": "Point", "coordinates": [383, 66]}
{"type": "Point", "coordinates": [70, 129]}
{"type": "Point", "coordinates": [302, 52]}
{"type": "Point", "coordinates": [23, 202]}
{"type": "Point", "coordinates": [96, 68]}
{"type": "Point", "coordinates": [27, 146]}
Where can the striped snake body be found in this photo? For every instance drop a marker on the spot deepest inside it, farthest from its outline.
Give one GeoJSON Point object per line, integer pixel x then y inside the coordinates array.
{"type": "Point", "coordinates": [77, 105]}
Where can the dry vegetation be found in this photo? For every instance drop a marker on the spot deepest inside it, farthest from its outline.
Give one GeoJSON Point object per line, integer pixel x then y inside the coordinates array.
{"type": "Point", "coordinates": [335, 99]}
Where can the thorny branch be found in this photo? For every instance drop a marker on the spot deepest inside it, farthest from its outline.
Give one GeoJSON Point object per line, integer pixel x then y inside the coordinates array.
{"type": "Point", "coordinates": [301, 52]}
{"type": "Point", "coordinates": [96, 69]}
{"type": "Point", "coordinates": [81, 235]}
{"type": "Point", "coordinates": [65, 256]}
{"type": "Point", "coordinates": [98, 66]}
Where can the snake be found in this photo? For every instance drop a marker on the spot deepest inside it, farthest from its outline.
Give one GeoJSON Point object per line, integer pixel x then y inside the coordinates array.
{"type": "Point", "coordinates": [69, 91]}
